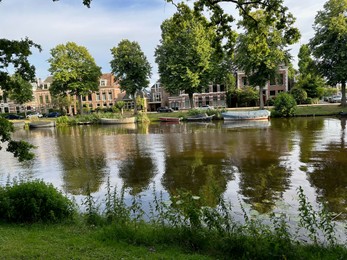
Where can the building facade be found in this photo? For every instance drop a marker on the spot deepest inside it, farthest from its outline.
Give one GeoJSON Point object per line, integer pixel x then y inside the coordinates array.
{"type": "Point", "coordinates": [273, 87]}
{"type": "Point", "coordinates": [213, 95]}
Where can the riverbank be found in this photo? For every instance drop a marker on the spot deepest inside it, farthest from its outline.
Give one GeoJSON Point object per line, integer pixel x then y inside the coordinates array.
{"type": "Point", "coordinates": [80, 241]}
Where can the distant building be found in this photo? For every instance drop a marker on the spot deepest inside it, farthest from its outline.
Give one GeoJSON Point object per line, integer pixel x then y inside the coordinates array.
{"type": "Point", "coordinates": [213, 95]}
{"type": "Point", "coordinates": [273, 87]}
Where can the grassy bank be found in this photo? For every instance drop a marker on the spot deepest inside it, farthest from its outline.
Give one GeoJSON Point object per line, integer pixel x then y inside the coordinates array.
{"type": "Point", "coordinates": [38, 222]}
{"type": "Point", "coordinates": [78, 241]}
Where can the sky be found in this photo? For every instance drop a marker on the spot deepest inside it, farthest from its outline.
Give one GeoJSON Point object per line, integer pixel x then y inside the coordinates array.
{"type": "Point", "coordinates": [107, 22]}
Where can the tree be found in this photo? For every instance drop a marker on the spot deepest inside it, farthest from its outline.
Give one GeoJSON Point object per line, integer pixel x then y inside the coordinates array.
{"type": "Point", "coordinates": [130, 67]}
{"type": "Point", "coordinates": [14, 55]}
{"type": "Point", "coordinates": [74, 71]}
{"type": "Point", "coordinates": [260, 50]}
{"type": "Point", "coordinates": [185, 52]}
{"type": "Point", "coordinates": [329, 43]}
{"type": "Point", "coordinates": [309, 79]}
{"type": "Point", "coordinates": [21, 91]}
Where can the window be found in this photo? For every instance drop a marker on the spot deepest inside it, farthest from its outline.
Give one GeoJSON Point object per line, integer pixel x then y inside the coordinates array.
{"type": "Point", "coordinates": [89, 97]}
{"type": "Point", "coordinates": [109, 95]}
{"type": "Point", "coordinates": [272, 92]}
{"type": "Point", "coordinates": [280, 80]}
{"type": "Point", "coordinates": [244, 81]}
{"type": "Point", "coordinates": [157, 97]}
{"type": "Point", "coordinates": [103, 96]}
{"type": "Point", "coordinates": [41, 99]}
{"type": "Point", "coordinates": [222, 88]}
{"type": "Point", "coordinates": [103, 82]}
{"type": "Point", "coordinates": [47, 99]}
{"type": "Point", "coordinates": [272, 81]}
{"type": "Point", "coordinates": [215, 88]}
{"type": "Point", "coordinates": [97, 96]}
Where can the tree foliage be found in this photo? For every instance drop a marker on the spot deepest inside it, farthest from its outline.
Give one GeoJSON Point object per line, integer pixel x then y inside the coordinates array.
{"type": "Point", "coordinates": [130, 67]}
{"type": "Point", "coordinates": [20, 90]}
{"type": "Point", "coordinates": [329, 43]}
{"type": "Point", "coordinates": [74, 71]}
{"type": "Point", "coordinates": [14, 56]}
{"type": "Point", "coordinates": [284, 106]}
{"type": "Point", "coordinates": [185, 52]}
{"type": "Point", "coordinates": [309, 79]}
{"type": "Point", "coordinates": [261, 49]}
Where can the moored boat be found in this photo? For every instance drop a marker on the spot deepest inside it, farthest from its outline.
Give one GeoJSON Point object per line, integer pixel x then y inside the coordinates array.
{"type": "Point", "coordinates": [109, 121]}
{"type": "Point", "coordinates": [41, 124]}
{"type": "Point", "coordinates": [246, 115]}
{"type": "Point", "coordinates": [169, 119]}
{"type": "Point", "coordinates": [200, 117]}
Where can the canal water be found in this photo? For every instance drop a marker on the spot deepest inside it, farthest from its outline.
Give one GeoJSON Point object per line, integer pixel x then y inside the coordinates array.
{"type": "Point", "coordinates": [257, 166]}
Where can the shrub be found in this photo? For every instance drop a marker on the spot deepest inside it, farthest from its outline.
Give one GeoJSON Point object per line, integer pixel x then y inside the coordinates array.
{"type": "Point", "coordinates": [299, 94]}
{"type": "Point", "coordinates": [284, 105]}
{"type": "Point", "coordinates": [34, 201]}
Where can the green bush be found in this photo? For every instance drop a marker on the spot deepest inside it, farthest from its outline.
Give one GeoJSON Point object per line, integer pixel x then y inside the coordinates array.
{"type": "Point", "coordinates": [284, 105]}
{"type": "Point", "coordinates": [299, 94]}
{"type": "Point", "coordinates": [34, 201]}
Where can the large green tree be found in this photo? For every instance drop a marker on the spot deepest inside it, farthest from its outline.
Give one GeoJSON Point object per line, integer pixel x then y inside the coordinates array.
{"type": "Point", "coordinates": [261, 48]}
{"type": "Point", "coordinates": [185, 51]}
{"type": "Point", "coordinates": [309, 78]}
{"type": "Point", "coordinates": [130, 67]}
{"type": "Point", "coordinates": [329, 44]}
{"type": "Point", "coordinates": [74, 71]}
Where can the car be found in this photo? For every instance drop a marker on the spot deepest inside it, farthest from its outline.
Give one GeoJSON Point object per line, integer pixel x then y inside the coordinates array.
{"type": "Point", "coordinates": [165, 109]}
{"type": "Point", "coordinates": [53, 114]}
{"type": "Point", "coordinates": [206, 107]}
{"type": "Point", "coordinates": [335, 99]}
{"type": "Point", "coordinates": [14, 116]}
{"type": "Point", "coordinates": [36, 114]}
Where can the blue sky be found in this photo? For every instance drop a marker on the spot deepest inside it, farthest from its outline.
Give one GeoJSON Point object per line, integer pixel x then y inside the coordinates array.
{"type": "Point", "coordinates": [106, 23]}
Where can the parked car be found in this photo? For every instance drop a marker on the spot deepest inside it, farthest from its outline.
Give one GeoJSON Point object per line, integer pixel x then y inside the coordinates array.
{"type": "Point", "coordinates": [14, 116]}
{"type": "Point", "coordinates": [164, 109]}
{"type": "Point", "coordinates": [53, 114]}
{"type": "Point", "coordinates": [205, 107]}
{"type": "Point", "coordinates": [34, 115]}
{"type": "Point", "coordinates": [335, 99]}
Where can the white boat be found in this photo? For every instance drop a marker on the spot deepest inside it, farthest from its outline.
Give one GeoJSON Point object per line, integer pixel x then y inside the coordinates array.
{"type": "Point", "coordinates": [200, 117]}
{"type": "Point", "coordinates": [41, 124]}
{"type": "Point", "coordinates": [109, 121]}
{"type": "Point", "coordinates": [246, 115]}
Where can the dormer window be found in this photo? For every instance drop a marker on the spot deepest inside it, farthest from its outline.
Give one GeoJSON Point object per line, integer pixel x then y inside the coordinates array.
{"type": "Point", "coordinates": [103, 82]}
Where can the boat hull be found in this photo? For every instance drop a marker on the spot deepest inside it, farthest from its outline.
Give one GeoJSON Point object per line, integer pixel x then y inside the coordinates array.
{"type": "Point", "coordinates": [41, 124]}
{"type": "Point", "coordinates": [246, 115]}
{"type": "Point", "coordinates": [201, 117]}
{"type": "Point", "coordinates": [113, 121]}
{"type": "Point", "coordinates": [169, 119]}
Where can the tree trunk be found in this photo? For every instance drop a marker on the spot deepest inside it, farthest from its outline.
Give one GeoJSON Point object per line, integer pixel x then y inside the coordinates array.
{"type": "Point", "coordinates": [80, 104]}
{"type": "Point", "coordinates": [261, 99]}
{"type": "Point", "coordinates": [343, 92]}
{"type": "Point", "coordinates": [191, 101]}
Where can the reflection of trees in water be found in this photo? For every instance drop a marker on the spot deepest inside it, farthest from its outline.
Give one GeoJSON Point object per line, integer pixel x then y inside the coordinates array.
{"type": "Point", "coordinates": [330, 174]}
{"type": "Point", "coordinates": [198, 171]}
{"type": "Point", "coordinates": [262, 178]}
{"type": "Point", "coordinates": [307, 128]}
{"type": "Point", "coordinates": [137, 172]}
{"type": "Point", "coordinates": [83, 159]}
{"type": "Point", "coordinates": [137, 168]}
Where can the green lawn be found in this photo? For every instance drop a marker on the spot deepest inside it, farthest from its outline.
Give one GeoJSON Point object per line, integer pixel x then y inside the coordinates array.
{"type": "Point", "coordinates": [75, 242]}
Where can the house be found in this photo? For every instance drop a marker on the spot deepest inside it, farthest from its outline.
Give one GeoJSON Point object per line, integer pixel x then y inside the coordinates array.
{"type": "Point", "coordinates": [213, 95]}
{"type": "Point", "coordinates": [106, 97]}
{"type": "Point", "coordinates": [273, 87]}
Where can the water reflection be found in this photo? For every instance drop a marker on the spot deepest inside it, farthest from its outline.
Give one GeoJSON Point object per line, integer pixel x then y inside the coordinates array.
{"type": "Point", "coordinates": [82, 158]}
{"type": "Point", "coordinates": [262, 162]}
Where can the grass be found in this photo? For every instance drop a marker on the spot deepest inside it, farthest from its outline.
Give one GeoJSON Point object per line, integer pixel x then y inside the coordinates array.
{"type": "Point", "coordinates": [181, 228]}
{"type": "Point", "coordinates": [71, 241]}
{"type": "Point", "coordinates": [319, 110]}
